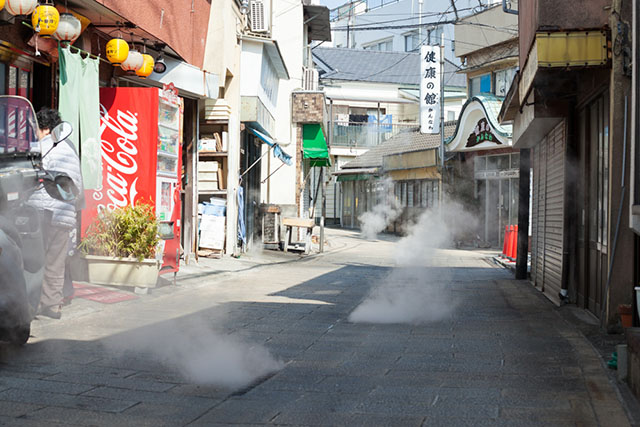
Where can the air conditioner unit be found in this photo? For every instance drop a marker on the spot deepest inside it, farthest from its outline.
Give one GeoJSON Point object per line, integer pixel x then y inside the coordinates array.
{"type": "Point", "coordinates": [259, 16]}
{"type": "Point", "coordinates": [310, 79]}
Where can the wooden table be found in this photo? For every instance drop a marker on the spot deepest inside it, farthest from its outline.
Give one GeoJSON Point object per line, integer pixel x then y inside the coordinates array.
{"type": "Point", "coordinates": [305, 223]}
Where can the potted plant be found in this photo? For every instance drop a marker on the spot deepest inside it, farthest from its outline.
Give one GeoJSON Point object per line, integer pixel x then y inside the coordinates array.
{"type": "Point", "coordinates": [120, 247]}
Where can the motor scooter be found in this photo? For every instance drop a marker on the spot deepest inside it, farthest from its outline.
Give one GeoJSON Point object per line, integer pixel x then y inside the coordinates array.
{"type": "Point", "coordinates": [22, 246]}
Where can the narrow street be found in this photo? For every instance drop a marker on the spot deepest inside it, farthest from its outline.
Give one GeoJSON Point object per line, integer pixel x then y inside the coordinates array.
{"type": "Point", "coordinates": [274, 344]}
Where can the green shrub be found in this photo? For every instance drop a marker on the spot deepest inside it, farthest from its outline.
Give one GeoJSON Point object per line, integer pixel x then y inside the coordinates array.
{"type": "Point", "coordinates": [129, 232]}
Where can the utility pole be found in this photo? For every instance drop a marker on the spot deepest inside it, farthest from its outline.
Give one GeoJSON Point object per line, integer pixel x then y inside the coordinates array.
{"type": "Point", "coordinates": [420, 23]}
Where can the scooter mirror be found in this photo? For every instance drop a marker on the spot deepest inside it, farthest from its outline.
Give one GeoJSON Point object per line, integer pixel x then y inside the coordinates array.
{"type": "Point", "coordinates": [61, 132]}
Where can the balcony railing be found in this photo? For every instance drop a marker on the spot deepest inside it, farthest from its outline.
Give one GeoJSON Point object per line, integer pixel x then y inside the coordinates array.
{"type": "Point", "coordinates": [367, 135]}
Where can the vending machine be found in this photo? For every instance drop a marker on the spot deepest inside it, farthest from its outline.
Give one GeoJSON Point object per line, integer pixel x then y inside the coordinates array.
{"type": "Point", "coordinates": [141, 140]}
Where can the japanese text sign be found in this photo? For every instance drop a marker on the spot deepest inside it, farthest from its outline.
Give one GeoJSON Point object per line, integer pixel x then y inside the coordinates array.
{"type": "Point", "coordinates": [430, 89]}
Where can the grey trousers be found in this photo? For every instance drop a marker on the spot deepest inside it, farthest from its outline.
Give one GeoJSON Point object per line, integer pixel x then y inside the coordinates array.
{"type": "Point", "coordinates": [57, 240]}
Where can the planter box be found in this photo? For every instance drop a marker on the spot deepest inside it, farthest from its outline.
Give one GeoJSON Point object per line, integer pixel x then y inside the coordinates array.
{"type": "Point", "coordinates": [104, 270]}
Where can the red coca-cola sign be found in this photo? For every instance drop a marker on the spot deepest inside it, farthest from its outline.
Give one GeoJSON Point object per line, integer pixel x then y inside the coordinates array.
{"type": "Point", "coordinates": [129, 134]}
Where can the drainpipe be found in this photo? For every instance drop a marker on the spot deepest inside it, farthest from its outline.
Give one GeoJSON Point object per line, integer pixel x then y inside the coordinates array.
{"type": "Point", "coordinates": [507, 9]}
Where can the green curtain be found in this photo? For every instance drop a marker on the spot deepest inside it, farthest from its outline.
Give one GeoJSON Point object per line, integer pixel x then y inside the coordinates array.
{"type": "Point", "coordinates": [79, 104]}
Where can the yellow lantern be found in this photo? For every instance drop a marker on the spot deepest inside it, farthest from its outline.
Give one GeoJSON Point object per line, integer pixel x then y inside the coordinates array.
{"type": "Point", "coordinates": [45, 20]}
{"type": "Point", "coordinates": [21, 7]}
{"type": "Point", "coordinates": [133, 62]}
{"type": "Point", "coordinates": [117, 51]}
{"type": "Point", "coordinates": [1, 4]}
{"type": "Point", "coordinates": [147, 66]}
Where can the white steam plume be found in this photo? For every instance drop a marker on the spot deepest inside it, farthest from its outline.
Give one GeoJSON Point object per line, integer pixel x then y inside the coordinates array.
{"type": "Point", "coordinates": [383, 213]}
{"type": "Point", "coordinates": [201, 355]}
{"type": "Point", "coordinates": [412, 293]}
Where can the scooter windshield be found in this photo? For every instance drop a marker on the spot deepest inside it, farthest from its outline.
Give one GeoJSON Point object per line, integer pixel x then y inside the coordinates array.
{"type": "Point", "coordinates": [18, 126]}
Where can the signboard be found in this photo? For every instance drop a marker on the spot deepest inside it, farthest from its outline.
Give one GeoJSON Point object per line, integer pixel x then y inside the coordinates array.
{"type": "Point", "coordinates": [430, 89]}
{"type": "Point", "coordinates": [481, 133]}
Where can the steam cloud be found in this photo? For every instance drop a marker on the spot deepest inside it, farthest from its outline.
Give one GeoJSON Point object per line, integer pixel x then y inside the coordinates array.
{"type": "Point", "coordinates": [201, 356]}
{"type": "Point", "coordinates": [412, 293]}
{"type": "Point", "coordinates": [382, 214]}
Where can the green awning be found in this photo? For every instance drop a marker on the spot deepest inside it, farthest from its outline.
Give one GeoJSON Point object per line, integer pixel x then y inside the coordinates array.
{"type": "Point", "coordinates": [314, 146]}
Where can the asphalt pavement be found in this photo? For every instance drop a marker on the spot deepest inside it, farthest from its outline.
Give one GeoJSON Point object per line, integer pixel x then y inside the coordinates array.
{"type": "Point", "coordinates": [348, 337]}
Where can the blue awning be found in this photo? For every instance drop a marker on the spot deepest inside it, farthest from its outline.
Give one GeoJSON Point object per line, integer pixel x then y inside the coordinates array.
{"type": "Point", "coordinates": [277, 150]}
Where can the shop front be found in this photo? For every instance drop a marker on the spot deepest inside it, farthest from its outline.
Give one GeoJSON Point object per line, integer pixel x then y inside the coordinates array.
{"type": "Point", "coordinates": [486, 158]}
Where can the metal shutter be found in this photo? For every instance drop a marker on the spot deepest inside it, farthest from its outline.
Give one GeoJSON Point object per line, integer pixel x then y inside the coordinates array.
{"type": "Point", "coordinates": [548, 213]}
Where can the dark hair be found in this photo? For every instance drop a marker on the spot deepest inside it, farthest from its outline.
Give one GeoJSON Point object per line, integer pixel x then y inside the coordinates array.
{"type": "Point", "coordinates": [48, 118]}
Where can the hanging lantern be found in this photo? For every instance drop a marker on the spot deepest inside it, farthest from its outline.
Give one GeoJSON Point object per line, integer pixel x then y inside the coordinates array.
{"type": "Point", "coordinates": [133, 62]}
{"type": "Point", "coordinates": [117, 51]}
{"type": "Point", "coordinates": [1, 4]}
{"type": "Point", "coordinates": [69, 28]}
{"type": "Point", "coordinates": [21, 7]}
{"type": "Point", "coordinates": [45, 19]}
{"type": "Point", "coordinates": [147, 66]}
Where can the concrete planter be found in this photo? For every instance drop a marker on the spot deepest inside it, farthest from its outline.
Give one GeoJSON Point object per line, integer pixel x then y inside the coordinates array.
{"type": "Point", "coordinates": [105, 270]}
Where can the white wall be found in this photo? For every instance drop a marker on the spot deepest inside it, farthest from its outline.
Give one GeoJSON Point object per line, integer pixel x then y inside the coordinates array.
{"type": "Point", "coordinates": [287, 30]}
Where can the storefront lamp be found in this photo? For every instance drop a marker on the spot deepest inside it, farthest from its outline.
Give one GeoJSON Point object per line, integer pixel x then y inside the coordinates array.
{"type": "Point", "coordinates": [1, 4]}
{"type": "Point", "coordinates": [45, 19]}
{"type": "Point", "coordinates": [133, 62]}
{"type": "Point", "coordinates": [21, 7]}
{"type": "Point", "coordinates": [69, 28]}
{"type": "Point", "coordinates": [147, 66]}
{"type": "Point", "coordinates": [117, 51]}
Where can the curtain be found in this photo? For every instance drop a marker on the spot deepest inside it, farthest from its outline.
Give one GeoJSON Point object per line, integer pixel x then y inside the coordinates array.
{"type": "Point", "coordinates": [79, 104]}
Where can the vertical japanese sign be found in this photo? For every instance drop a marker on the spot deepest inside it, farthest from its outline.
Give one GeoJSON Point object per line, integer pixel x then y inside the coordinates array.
{"type": "Point", "coordinates": [430, 89]}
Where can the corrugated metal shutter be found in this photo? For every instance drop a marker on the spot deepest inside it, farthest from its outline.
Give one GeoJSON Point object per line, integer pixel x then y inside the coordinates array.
{"type": "Point", "coordinates": [548, 213]}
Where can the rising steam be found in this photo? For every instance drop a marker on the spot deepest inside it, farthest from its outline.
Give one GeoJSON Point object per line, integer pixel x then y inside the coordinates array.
{"type": "Point", "coordinates": [412, 293]}
{"type": "Point", "coordinates": [200, 355]}
{"type": "Point", "coordinates": [386, 209]}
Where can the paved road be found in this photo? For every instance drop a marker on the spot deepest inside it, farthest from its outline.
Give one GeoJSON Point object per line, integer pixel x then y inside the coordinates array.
{"type": "Point", "coordinates": [275, 344]}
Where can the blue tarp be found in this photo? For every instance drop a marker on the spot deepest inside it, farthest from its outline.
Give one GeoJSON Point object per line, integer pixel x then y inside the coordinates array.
{"type": "Point", "coordinates": [277, 150]}
{"type": "Point", "coordinates": [242, 234]}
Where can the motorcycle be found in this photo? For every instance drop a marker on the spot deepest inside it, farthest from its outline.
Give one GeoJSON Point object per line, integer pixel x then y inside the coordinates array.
{"type": "Point", "coordinates": [22, 246]}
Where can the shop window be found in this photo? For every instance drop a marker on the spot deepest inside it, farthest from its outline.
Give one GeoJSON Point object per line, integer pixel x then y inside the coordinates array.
{"type": "Point", "coordinates": [426, 186]}
{"type": "Point", "coordinates": [410, 194]}
{"type": "Point", "coordinates": [13, 81]}
{"type": "Point", "coordinates": [515, 161]}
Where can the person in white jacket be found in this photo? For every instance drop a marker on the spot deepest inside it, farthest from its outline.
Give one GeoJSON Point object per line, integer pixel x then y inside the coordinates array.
{"type": "Point", "coordinates": [60, 217]}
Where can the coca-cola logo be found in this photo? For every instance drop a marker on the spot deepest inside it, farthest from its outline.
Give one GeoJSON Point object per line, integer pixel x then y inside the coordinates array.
{"type": "Point", "coordinates": [119, 152]}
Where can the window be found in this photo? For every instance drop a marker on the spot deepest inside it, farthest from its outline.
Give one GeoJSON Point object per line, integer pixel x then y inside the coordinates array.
{"type": "Point", "coordinates": [433, 35]}
{"type": "Point", "coordinates": [480, 84]}
{"type": "Point", "coordinates": [411, 41]}
{"type": "Point", "coordinates": [384, 45]}
{"type": "Point", "coordinates": [451, 115]}
{"type": "Point", "coordinates": [503, 81]}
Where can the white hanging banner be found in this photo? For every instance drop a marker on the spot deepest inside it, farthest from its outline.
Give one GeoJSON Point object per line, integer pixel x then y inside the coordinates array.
{"type": "Point", "coordinates": [430, 89]}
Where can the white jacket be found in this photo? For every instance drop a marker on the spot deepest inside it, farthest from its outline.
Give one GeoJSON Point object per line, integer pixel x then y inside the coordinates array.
{"type": "Point", "coordinates": [62, 158]}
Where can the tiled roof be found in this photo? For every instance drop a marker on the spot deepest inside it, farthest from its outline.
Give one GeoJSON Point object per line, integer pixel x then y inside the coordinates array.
{"type": "Point", "coordinates": [377, 66]}
{"type": "Point", "coordinates": [401, 143]}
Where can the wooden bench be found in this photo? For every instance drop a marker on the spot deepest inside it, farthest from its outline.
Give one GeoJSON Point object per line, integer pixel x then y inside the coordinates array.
{"type": "Point", "coordinates": [307, 224]}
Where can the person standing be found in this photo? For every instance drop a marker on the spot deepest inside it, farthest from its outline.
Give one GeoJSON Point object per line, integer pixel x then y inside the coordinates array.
{"type": "Point", "coordinates": [60, 217]}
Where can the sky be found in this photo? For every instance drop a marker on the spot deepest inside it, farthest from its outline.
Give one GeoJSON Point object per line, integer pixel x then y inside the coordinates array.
{"type": "Point", "coordinates": [332, 3]}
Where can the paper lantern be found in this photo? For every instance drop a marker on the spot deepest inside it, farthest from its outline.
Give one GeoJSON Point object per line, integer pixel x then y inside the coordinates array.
{"type": "Point", "coordinates": [147, 66]}
{"type": "Point", "coordinates": [45, 20]}
{"type": "Point", "coordinates": [117, 51]}
{"type": "Point", "coordinates": [69, 28]}
{"type": "Point", "coordinates": [21, 7]}
{"type": "Point", "coordinates": [133, 62]}
{"type": "Point", "coordinates": [1, 4]}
